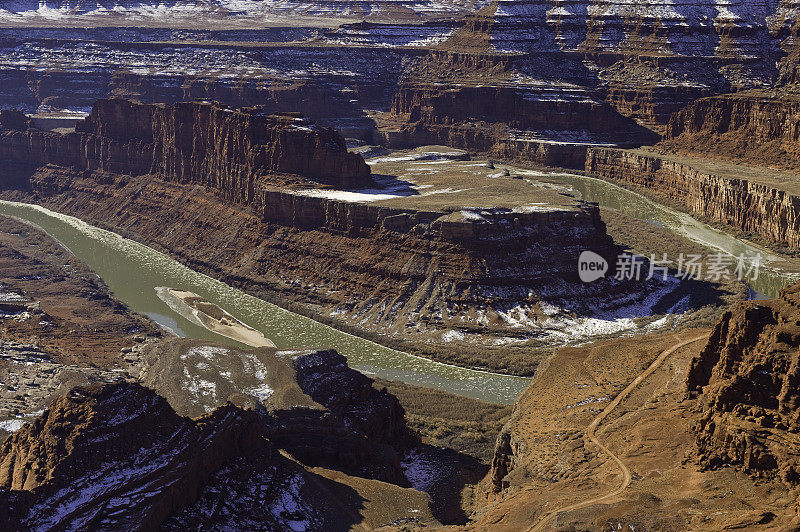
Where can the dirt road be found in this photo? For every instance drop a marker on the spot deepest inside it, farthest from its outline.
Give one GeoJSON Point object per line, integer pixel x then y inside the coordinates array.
{"type": "Point", "coordinates": [591, 435]}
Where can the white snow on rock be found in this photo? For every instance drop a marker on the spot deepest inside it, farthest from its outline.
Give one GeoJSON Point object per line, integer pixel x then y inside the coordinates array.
{"type": "Point", "coordinates": [12, 425]}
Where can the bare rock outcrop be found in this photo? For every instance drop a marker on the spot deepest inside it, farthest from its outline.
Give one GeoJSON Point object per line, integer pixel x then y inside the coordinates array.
{"type": "Point", "coordinates": [748, 375]}
{"type": "Point", "coordinates": [472, 93]}
{"type": "Point", "coordinates": [550, 125]}
{"type": "Point", "coordinates": [760, 201]}
{"type": "Point", "coordinates": [761, 127]}
{"type": "Point", "coordinates": [385, 268]}
{"type": "Point", "coordinates": [311, 403]}
{"type": "Point", "coordinates": [117, 456]}
{"type": "Point", "coordinates": [375, 269]}
{"type": "Point", "coordinates": [209, 144]}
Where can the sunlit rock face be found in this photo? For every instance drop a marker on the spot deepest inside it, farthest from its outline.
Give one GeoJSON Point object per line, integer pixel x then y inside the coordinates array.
{"type": "Point", "coordinates": [718, 44]}
{"type": "Point", "coordinates": [748, 375]}
{"type": "Point", "coordinates": [685, 27]}
{"type": "Point", "coordinates": [219, 10]}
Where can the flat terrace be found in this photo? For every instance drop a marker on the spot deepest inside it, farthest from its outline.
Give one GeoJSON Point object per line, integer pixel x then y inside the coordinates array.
{"type": "Point", "coordinates": [777, 179]}
{"type": "Point", "coordinates": [440, 179]}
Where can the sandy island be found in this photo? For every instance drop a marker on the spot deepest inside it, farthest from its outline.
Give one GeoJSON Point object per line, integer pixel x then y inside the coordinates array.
{"type": "Point", "coordinates": [201, 311]}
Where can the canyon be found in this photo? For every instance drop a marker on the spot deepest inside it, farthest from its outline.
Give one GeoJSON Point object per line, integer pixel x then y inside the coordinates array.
{"type": "Point", "coordinates": [401, 172]}
{"type": "Point", "coordinates": [77, 419]}
{"type": "Point", "coordinates": [757, 201]}
{"type": "Point", "coordinates": [422, 263]}
{"type": "Point", "coordinates": [754, 127]}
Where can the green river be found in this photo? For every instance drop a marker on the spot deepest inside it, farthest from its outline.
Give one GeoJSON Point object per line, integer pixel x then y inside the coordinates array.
{"type": "Point", "coordinates": [766, 281]}
{"type": "Point", "coordinates": [133, 272]}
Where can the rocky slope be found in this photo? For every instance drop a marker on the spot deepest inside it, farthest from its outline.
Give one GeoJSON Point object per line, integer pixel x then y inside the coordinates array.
{"type": "Point", "coordinates": [117, 440]}
{"type": "Point", "coordinates": [645, 60]}
{"type": "Point", "coordinates": [453, 274]}
{"type": "Point", "coordinates": [239, 150]}
{"type": "Point", "coordinates": [759, 201]}
{"type": "Point", "coordinates": [542, 122]}
{"type": "Point", "coordinates": [760, 127]}
{"type": "Point", "coordinates": [68, 312]}
{"type": "Point", "coordinates": [117, 456]}
{"type": "Point", "coordinates": [545, 461]}
{"type": "Point", "coordinates": [747, 375]}
{"type": "Point", "coordinates": [224, 13]}
{"type": "Point", "coordinates": [397, 273]}
{"type": "Point", "coordinates": [312, 404]}
{"type": "Point", "coordinates": [467, 93]}
{"type": "Point", "coordinates": [323, 80]}
{"type": "Point", "coordinates": [59, 325]}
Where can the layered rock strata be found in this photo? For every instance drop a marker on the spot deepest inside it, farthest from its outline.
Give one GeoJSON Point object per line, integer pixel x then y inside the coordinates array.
{"type": "Point", "coordinates": [398, 274]}
{"type": "Point", "coordinates": [547, 125]}
{"type": "Point", "coordinates": [98, 449]}
{"type": "Point", "coordinates": [117, 456]}
{"type": "Point", "coordinates": [748, 376]}
{"type": "Point", "coordinates": [200, 143]}
{"type": "Point", "coordinates": [541, 107]}
{"type": "Point", "coordinates": [752, 200]}
{"type": "Point", "coordinates": [759, 127]}
{"type": "Point", "coordinates": [325, 82]}
{"type": "Point", "coordinates": [380, 269]}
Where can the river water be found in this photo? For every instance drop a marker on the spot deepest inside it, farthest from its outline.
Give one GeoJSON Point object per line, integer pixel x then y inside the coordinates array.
{"type": "Point", "coordinates": [133, 271]}
{"type": "Point", "coordinates": [766, 280]}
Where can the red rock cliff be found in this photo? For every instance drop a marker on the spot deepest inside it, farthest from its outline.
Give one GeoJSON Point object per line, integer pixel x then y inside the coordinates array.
{"type": "Point", "coordinates": [195, 142]}
{"type": "Point", "coordinates": [735, 200]}
{"type": "Point", "coordinates": [757, 127]}
{"type": "Point", "coordinates": [749, 374]}
{"type": "Point", "coordinates": [118, 455]}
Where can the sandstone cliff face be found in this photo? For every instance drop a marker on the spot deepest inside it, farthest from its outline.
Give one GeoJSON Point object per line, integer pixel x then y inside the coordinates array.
{"type": "Point", "coordinates": [10, 119]}
{"type": "Point", "coordinates": [208, 144]}
{"type": "Point", "coordinates": [311, 403]}
{"type": "Point", "coordinates": [741, 203]}
{"type": "Point", "coordinates": [518, 110]}
{"type": "Point", "coordinates": [652, 105]}
{"type": "Point", "coordinates": [329, 84]}
{"type": "Point", "coordinates": [550, 125]}
{"type": "Point", "coordinates": [360, 430]}
{"type": "Point", "coordinates": [759, 127]}
{"type": "Point", "coordinates": [748, 374]}
{"type": "Point", "coordinates": [117, 456]}
{"type": "Point", "coordinates": [397, 273]}
{"type": "Point", "coordinates": [647, 59]}
{"type": "Point", "coordinates": [451, 274]}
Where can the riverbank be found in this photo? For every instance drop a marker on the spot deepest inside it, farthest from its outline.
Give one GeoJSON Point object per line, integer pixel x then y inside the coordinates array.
{"type": "Point", "coordinates": [462, 301]}
{"type": "Point", "coordinates": [753, 200]}
{"type": "Point", "coordinates": [435, 254]}
{"type": "Point", "coordinates": [488, 329]}
{"type": "Point", "coordinates": [133, 271]}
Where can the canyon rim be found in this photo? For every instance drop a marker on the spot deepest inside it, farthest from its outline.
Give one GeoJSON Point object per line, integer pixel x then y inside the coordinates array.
{"type": "Point", "coordinates": [392, 265]}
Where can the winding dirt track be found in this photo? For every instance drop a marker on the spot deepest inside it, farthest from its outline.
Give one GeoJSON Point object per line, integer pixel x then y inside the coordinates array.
{"type": "Point", "coordinates": [591, 435]}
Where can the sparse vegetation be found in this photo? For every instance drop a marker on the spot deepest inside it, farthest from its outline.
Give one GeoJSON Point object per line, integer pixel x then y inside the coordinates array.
{"type": "Point", "coordinates": [448, 420]}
